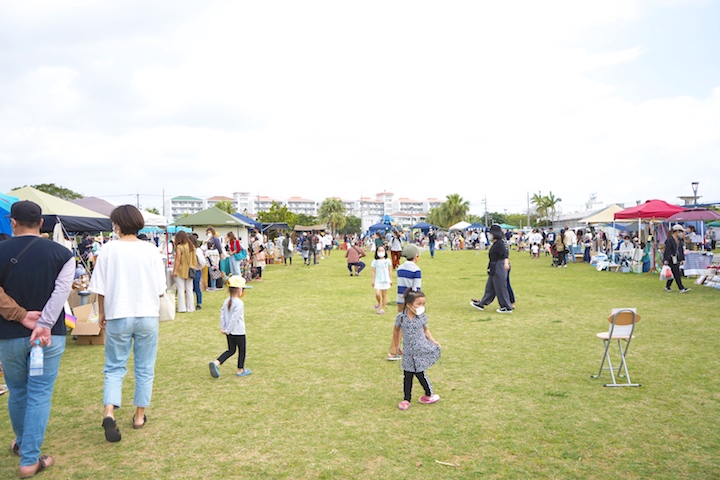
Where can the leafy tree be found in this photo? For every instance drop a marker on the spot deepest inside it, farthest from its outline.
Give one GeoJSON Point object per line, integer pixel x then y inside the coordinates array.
{"type": "Point", "coordinates": [153, 210]}
{"type": "Point", "coordinates": [226, 206]}
{"type": "Point", "coordinates": [435, 217]}
{"type": "Point", "coordinates": [56, 191]}
{"type": "Point", "coordinates": [332, 212]}
{"type": "Point", "coordinates": [278, 214]}
{"type": "Point", "coordinates": [302, 219]}
{"type": "Point", "coordinates": [353, 225]}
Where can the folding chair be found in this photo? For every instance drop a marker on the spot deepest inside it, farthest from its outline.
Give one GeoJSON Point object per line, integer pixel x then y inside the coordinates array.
{"type": "Point", "coordinates": [622, 326]}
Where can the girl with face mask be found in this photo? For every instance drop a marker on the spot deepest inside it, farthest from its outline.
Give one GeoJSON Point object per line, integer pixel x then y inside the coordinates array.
{"type": "Point", "coordinates": [381, 279]}
{"type": "Point", "coordinates": [420, 350]}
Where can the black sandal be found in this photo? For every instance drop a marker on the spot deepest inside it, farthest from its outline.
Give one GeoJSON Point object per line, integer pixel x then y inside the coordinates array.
{"type": "Point", "coordinates": [112, 432]}
{"type": "Point", "coordinates": [141, 425]}
{"type": "Point", "coordinates": [42, 465]}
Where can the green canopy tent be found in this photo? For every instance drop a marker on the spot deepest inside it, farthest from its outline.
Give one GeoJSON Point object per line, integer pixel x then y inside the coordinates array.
{"type": "Point", "coordinates": [222, 221]}
{"type": "Point", "coordinates": [505, 226]}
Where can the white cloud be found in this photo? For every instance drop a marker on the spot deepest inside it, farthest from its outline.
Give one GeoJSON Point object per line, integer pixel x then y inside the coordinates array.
{"type": "Point", "coordinates": [329, 98]}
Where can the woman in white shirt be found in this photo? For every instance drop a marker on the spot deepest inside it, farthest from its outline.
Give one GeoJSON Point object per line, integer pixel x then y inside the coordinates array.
{"type": "Point", "coordinates": [129, 279]}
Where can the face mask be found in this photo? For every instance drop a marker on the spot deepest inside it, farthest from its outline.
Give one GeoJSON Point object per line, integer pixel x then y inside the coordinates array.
{"type": "Point", "coordinates": [381, 254]}
{"type": "Point", "coordinates": [209, 235]}
{"type": "Point", "coordinates": [419, 310]}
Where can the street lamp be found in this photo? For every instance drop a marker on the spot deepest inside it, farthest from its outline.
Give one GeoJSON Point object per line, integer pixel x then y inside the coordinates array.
{"type": "Point", "coordinates": [695, 189]}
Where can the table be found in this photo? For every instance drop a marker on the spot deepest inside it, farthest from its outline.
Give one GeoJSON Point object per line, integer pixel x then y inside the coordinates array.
{"type": "Point", "coordinates": [697, 262]}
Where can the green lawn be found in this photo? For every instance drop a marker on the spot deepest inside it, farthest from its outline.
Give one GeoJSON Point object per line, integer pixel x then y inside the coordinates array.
{"type": "Point", "coordinates": [517, 397]}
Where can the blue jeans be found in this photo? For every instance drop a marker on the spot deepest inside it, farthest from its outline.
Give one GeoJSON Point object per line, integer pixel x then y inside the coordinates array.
{"type": "Point", "coordinates": [234, 265]}
{"type": "Point", "coordinates": [196, 287]}
{"type": "Point", "coordinates": [30, 397]}
{"type": "Point", "coordinates": [140, 333]}
{"type": "Point", "coordinates": [432, 249]}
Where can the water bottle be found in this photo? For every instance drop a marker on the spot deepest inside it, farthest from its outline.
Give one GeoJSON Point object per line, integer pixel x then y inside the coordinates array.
{"type": "Point", "coordinates": [37, 358]}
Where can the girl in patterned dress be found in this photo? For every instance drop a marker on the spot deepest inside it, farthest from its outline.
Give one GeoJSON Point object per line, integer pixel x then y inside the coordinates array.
{"type": "Point", "coordinates": [420, 350]}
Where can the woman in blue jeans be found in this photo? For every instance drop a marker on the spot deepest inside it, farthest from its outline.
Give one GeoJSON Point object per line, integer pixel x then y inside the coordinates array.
{"type": "Point", "coordinates": [129, 279]}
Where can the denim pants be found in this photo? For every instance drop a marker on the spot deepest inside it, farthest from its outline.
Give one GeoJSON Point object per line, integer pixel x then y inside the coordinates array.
{"type": "Point", "coordinates": [197, 288]}
{"type": "Point", "coordinates": [234, 266]}
{"type": "Point", "coordinates": [122, 334]}
{"type": "Point", "coordinates": [29, 402]}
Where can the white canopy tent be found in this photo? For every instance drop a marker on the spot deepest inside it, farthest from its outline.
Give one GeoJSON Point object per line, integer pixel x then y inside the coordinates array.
{"type": "Point", "coordinates": [460, 226]}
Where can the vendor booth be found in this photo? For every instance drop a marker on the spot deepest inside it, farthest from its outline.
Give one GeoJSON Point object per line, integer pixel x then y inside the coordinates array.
{"type": "Point", "coordinates": [74, 218]}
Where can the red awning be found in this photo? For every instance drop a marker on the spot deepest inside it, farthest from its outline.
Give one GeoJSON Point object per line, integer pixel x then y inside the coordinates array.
{"type": "Point", "coordinates": [658, 209]}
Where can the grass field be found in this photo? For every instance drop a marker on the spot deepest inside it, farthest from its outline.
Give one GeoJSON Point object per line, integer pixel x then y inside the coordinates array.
{"type": "Point", "coordinates": [517, 397]}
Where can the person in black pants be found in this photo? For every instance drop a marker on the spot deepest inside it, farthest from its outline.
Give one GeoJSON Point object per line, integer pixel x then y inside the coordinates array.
{"type": "Point", "coordinates": [674, 256]}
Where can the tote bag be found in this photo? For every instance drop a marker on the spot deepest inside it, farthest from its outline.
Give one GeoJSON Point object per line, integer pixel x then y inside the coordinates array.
{"type": "Point", "coordinates": [167, 307]}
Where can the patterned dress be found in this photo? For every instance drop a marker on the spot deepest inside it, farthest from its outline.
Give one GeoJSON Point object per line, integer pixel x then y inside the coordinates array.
{"type": "Point", "coordinates": [419, 353]}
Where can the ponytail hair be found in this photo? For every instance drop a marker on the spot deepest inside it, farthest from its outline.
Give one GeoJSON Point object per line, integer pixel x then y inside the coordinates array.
{"type": "Point", "coordinates": [233, 290]}
{"type": "Point", "coordinates": [411, 295]}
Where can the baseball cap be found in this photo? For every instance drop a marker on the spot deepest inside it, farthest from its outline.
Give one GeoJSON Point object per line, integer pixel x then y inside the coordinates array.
{"type": "Point", "coordinates": [26, 211]}
{"type": "Point", "coordinates": [410, 251]}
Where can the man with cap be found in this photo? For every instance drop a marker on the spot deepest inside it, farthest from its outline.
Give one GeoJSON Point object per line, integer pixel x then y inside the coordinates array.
{"type": "Point", "coordinates": [674, 256]}
{"type": "Point", "coordinates": [409, 276]}
{"type": "Point", "coordinates": [37, 273]}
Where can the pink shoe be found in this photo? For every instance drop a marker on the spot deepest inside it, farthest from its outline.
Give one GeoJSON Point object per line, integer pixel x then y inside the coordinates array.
{"type": "Point", "coordinates": [377, 305]}
{"type": "Point", "coordinates": [404, 405]}
{"type": "Point", "coordinates": [380, 312]}
{"type": "Point", "coordinates": [428, 400]}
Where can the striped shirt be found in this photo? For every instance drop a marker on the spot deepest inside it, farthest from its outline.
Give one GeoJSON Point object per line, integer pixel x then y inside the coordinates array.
{"type": "Point", "coordinates": [408, 276]}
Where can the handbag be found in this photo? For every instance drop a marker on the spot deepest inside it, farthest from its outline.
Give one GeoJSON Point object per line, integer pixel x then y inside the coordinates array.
{"type": "Point", "coordinates": [665, 273]}
{"type": "Point", "coordinates": [167, 307]}
{"type": "Point", "coordinates": [215, 273]}
{"type": "Point", "coordinates": [241, 255]}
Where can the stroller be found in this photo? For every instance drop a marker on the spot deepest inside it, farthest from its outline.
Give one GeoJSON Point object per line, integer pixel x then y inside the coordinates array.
{"type": "Point", "coordinates": [555, 257]}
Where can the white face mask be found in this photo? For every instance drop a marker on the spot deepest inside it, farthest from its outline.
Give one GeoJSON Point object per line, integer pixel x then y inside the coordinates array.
{"type": "Point", "coordinates": [381, 254]}
{"type": "Point", "coordinates": [209, 235]}
{"type": "Point", "coordinates": [419, 310]}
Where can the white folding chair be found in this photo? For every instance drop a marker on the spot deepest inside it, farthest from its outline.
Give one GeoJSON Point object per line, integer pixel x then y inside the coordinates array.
{"type": "Point", "coordinates": [622, 326]}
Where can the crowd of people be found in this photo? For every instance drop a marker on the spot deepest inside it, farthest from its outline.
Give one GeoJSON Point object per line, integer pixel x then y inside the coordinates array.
{"type": "Point", "coordinates": [129, 276]}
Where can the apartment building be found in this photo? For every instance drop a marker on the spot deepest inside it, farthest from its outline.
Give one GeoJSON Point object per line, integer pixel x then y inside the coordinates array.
{"type": "Point", "coordinates": [185, 205]}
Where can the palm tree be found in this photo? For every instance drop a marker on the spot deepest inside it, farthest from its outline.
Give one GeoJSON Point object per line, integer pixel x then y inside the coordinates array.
{"type": "Point", "coordinates": [332, 212]}
{"type": "Point", "coordinates": [454, 209]}
{"type": "Point", "coordinates": [551, 202]}
{"type": "Point", "coordinates": [540, 205]}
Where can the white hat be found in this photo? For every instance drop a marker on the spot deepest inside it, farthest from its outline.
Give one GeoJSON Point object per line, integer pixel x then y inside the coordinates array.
{"type": "Point", "coordinates": [677, 227]}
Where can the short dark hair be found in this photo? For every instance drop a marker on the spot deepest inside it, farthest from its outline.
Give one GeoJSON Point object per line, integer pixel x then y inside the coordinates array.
{"type": "Point", "coordinates": [128, 218]}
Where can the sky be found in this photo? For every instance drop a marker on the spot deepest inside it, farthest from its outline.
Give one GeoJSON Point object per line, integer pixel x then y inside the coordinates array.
{"type": "Point", "coordinates": [493, 101]}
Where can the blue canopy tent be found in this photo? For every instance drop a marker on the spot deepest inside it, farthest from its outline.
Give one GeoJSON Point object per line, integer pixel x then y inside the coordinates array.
{"type": "Point", "coordinates": [386, 220]}
{"type": "Point", "coordinates": [6, 202]}
{"type": "Point", "coordinates": [424, 226]}
{"type": "Point", "coordinates": [476, 226]}
{"type": "Point", "coordinates": [249, 220]}
{"type": "Point", "coordinates": [379, 227]}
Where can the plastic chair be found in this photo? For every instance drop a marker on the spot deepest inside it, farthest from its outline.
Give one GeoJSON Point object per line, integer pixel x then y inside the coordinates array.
{"type": "Point", "coordinates": [622, 326]}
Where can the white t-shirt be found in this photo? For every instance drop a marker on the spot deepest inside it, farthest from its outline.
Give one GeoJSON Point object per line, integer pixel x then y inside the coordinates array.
{"type": "Point", "coordinates": [131, 277]}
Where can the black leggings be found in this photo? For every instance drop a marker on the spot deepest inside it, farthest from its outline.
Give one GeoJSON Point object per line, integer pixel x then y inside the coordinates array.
{"type": "Point", "coordinates": [408, 381]}
{"type": "Point", "coordinates": [234, 342]}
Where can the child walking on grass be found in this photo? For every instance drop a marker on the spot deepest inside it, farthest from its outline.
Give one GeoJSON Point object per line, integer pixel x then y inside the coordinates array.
{"type": "Point", "coordinates": [420, 350]}
{"type": "Point", "coordinates": [381, 279]}
{"type": "Point", "coordinates": [232, 325]}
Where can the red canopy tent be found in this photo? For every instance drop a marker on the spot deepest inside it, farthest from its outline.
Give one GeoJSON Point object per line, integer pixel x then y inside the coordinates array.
{"type": "Point", "coordinates": [657, 209]}
{"type": "Point", "coordinates": [650, 210]}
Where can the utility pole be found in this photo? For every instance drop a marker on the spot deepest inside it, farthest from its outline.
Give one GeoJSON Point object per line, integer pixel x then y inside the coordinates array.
{"type": "Point", "coordinates": [528, 209]}
{"type": "Point", "coordinates": [137, 201]}
{"type": "Point", "coordinates": [486, 211]}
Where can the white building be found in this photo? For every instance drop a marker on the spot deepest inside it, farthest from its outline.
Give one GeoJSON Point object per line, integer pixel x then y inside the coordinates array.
{"type": "Point", "coordinates": [185, 205]}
